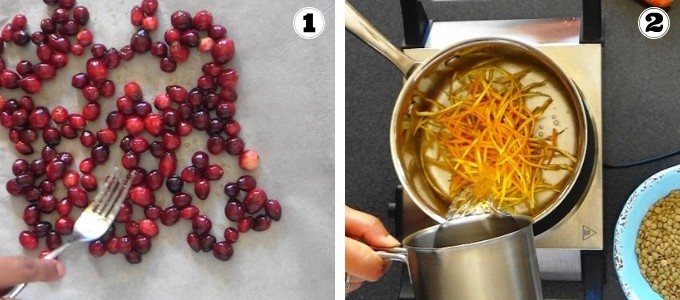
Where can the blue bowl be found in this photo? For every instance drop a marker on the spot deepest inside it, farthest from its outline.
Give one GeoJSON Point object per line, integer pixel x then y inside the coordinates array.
{"type": "Point", "coordinates": [659, 185]}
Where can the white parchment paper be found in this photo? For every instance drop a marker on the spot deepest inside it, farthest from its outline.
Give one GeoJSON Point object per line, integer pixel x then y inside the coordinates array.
{"type": "Point", "coordinates": [285, 106]}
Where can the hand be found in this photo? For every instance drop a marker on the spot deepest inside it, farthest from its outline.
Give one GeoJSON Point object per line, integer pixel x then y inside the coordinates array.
{"type": "Point", "coordinates": [20, 269]}
{"type": "Point", "coordinates": [361, 263]}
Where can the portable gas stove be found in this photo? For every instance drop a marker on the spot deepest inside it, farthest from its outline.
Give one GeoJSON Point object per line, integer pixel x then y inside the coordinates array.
{"type": "Point", "coordinates": [571, 250]}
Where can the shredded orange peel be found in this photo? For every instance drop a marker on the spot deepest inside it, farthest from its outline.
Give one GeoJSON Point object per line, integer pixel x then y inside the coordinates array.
{"type": "Point", "coordinates": [484, 138]}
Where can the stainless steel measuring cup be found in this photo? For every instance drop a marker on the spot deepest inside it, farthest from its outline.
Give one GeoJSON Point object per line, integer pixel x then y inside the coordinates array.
{"type": "Point", "coordinates": [474, 257]}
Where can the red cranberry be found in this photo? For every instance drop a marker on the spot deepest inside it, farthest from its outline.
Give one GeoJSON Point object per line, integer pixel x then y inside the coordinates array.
{"type": "Point", "coordinates": [107, 88]}
{"type": "Point", "coordinates": [261, 223]}
{"type": "Point", "coordinates": [70, 28]}
{"type": "Point", "coordinates": [65, 157]}
{"type": "Point", "coordinates": [88, 139]}
{"type": "Point", "coordinates": [211, 69]}
{"type": "Point", "coordinates": [67, 131]}
{"type": "Point", "coordinates": [189, 38]}
{"type": "Point", "coordinates": [202, 189]}
{"type": "Point", "coordinates": [24, 68]}
{"type": "Point", "coordinates": [126, 52]}
{"type": "Point", "coordinates": [194, 242]}
{"type": "Point", "coordinates": [246, 183]}
{"type": "Point", "coordinates": [150, 23]}
{"type": "Point", "coordinates": [112, 245]}
{"type": "Point", "coordinates": [44, 71]}
{"type": "Point", "coordinates": [58, 43]}
{"type": "Point", "coordinates": [205, 83]}
{"type": "Point", "coordinates": [178, 52]}
{"type": "Point", "coordinates": [152, 212]}
{"type": "Point", "coordinates": [115, 121]}
{"type": "Point", "coordinates": [81, 15]}
{"type": "Point", "coordinates": [141, 41]}
{"type": "Point", "coordinates": [168, 65]}
{"type": "Point", "coordinates": [223, 250]}
{"type": "Point", "coordinates": [23, 148]}
{"type": "Point", "coordinates": [9, 79]}
{"type": "Point", "coordinates": [136, 15]}
{"type": "Point", "coordinates": [91, 111]}
{"type": "Point", "coordinates": [234, 210]}
{"type": "Point", "coordinates": [133, 257]}
{"type": "Point", "coordinates": [112, 58]}
{"type": "Point", "coordinates": [215, 144]}
{"type": "Point", "coordinates": [207, 242]}
{"type": "Point", "coordinates": [189, 212]}
{"type": "Point", "coordinates": [48, 26]}
{"type": "Point", "coordinates": [202, 20]}
{"type": "Point", "coordinates": [30, 84]}
{"type": "Point", "coordinates": [231, 234]}
{"type": "Point", "coordinates": [149, 6]}
{"type": "Point", "coordinates": [97, 248]}
{"type": "Point", "coordinates": [88, 182]}
{"type": "Point", "coordinates": [234, 146]}
{"type": "Point", "coordinates": [190, 174]}
{"type": "Point", "coordinates": [183, 128]}
{"type": "Point", "coordinates": [13, 187]}
{"type": "Point", "coordinates": [206, 44]}
{"type": "Point", "coordinates": [64, 206]}
{"type": "Point", "coordinates": [132, 228]}
{"type": "Point", "coordinates": [245, 224]}
{"type": "Point", "coordinates": [217, 32]}
{"type": "Point", "coordinates": [19, 22]}
{"type": "Point", "coordinates": [171, 141]}
{"type": "Point", "coordinates": [230, 189]}
{"type": "Point", "coordinates": [148, 227]}
{"type": "Point", "coordinates": [124, 244]}
{"type": "Point", "coordinates": [157, 149]}
{"type": "Point", "coordinates": [77, 121]}
{"type": "Point", "coordinates": [19, 167]}
{"type": "Point", "coordinates": [201, 225]}
{"type": "Point", "coordinates": [200, 160]}
{"type": "Point", "coordinates": [28, 240]}
{"type": "Point", "coordinates": [249, 160]}
{"type": "Point", "coordinates": [223, 51]}
{"type": "Point", "coordinates": [71, 179]}
{"type": "Point", "coordinates": [84, 37]}
{"type": "Point", "coordinates": [153, 124]}
{"type": "Point", "coordinates": [78, 196]}
{"type": "Point", "coordinates": [254, 200]}
{"type": "Point", "coordinates": [181, 20]}
{"type": "Point", "coordinates": [106, 136]}
{"type": "Point", "coordinates": [142, 109]}
{"type": "Point", "coordinates": [31, 215]}
{"type": "Point", "coordinates": [141, 196]}
{"type": "Point", "coordinates": [228, 94]}
{"type": "Point", "coordinates": [134, 125]}
{"type": "Point", "coordinates": [59, 60]}
{"type": "Point", "coordinates": [141, 244]}
{"type": "Point", "coordinates": [60, 15]}
{"type": "Point", "coordinates": [227, 78]}
{"type": "Point", "coordinates": [86, 166]}
{"type": "Point", "coordinates": [213, 172]}
{"type": "Point", "coordinates": [130, 160]}
{"type": "Point", "coordinates": [53, 240]}
{"type": "Point", "coordinates": [133, 91]}
{"type": "Point", "coordinates": [96, 70]}
{"type": "Point", "coordinates": [21, 38]}
{"type": "Point", "coordinates": [200, 120]}
{"type": "Point", "coordinates": [38, 167]}
{"type": "Point", "coordinates": [162, 101]}
{"type": "Point", "coordinates": [125, 213]}
{"type": "Point", "coordinates": [79, 81]}
{"type": "Point", "coordinates": [170, 216]}
{"type": "Point", "coordinates": [174, 184]}
{"type": "Point", "coordinates": [138, 144]}
{"type": "Point", "coordinates": [63, 225]}
{"type": "Point", "coordinates": [226, 110]}
{"type": "Point", "coordinates": [67, 4]}
{"type": "Point", "coordinates": [100, 154]}
{"type": "Point", "coordinates": [42, 228]}
{"type": "Point", "coordinates": [159, 49]}
{"type": "Point", "coordinates": [55, 170]}
{"type": "Point", "coordinates": [38, 38]}
{"type": "Point", "coordinates": [154, 180]}
{"type": "Point", "coordinates": [125, 105]}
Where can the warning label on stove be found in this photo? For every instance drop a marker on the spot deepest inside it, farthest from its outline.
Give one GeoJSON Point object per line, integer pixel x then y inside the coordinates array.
{"type": "Point", "coordinates": [587, 232]}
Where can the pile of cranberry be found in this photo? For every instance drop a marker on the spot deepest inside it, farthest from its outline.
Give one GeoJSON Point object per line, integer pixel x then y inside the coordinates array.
{"type": "Point", "coordinates": [135, 126]}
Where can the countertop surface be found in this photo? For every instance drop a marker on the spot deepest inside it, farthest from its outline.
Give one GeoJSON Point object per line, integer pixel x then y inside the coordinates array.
{"type": "Point", "coordinates": [639, 106]}
{"type": "Point", "coordinates": [286, 109]}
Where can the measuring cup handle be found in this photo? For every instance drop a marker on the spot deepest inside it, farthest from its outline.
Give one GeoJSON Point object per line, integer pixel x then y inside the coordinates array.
{"type": "Point", "coordinates": [364, 30]}
{"type": "Point", "coordinates": [395, 254]}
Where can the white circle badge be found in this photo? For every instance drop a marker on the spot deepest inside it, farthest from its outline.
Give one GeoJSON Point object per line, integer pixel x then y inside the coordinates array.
{"type": "Point", "coordinates": [654, 23]}
{"type": "Point", "coordinates": [309, 23]}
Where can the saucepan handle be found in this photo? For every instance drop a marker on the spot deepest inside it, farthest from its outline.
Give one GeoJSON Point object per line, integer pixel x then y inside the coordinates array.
{"type": "Point", "coordinates": [364, 30]}
{"type": "Point", "coordinates": [395, 254]}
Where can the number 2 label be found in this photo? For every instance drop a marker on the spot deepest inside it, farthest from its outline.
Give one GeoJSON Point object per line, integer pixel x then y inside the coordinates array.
{"type": "Point", "coordinates": [653, 23]}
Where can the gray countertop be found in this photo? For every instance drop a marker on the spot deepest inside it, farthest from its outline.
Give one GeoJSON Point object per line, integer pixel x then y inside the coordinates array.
{"type": "Point", "coordinates": [640, 111]}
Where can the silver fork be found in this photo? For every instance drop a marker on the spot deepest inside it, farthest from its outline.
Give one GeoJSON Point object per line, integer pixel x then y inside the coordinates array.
{"type": "Point", "coordinates": [95, 219]}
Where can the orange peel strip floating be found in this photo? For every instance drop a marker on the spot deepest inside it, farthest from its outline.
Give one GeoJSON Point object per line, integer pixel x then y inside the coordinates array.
{"type": "Point", "coordinates": [484, 139]}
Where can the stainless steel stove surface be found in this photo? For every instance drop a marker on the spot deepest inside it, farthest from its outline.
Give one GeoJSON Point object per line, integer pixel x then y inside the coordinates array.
{"type": "Point", "coordinates": [560, 248]}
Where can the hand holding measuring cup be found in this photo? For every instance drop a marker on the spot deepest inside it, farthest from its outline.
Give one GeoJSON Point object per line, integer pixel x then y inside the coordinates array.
{"type": "Point", "coordinates": [363, 231]}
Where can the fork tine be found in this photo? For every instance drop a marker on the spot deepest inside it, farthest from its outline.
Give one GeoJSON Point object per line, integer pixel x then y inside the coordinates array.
{"type": "Point", "coordinates": [108, 195]}
{"type": "Point", "coordinates": [108, 183]}
{"type": "Point", "coordinates": [112, 207]}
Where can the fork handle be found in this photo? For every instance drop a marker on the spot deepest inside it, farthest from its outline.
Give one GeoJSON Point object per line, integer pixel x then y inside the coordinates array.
{"type": "Point", "coordinates": [19, 287]}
